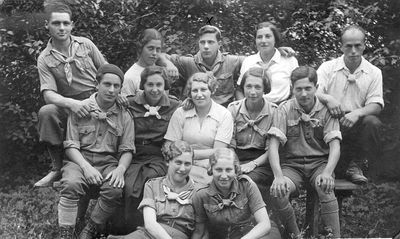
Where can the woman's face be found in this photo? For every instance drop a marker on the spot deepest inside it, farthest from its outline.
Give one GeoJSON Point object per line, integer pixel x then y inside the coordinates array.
{"type": "Point", "coordinates": [265, 40]}
{"type": "Point", "coordinates": [224, 173]}
{"type": "Point", "coordinates": [154, 89]}
{"type": "Point", "coordinates": [201, 94]}
{"type": "Point", "coordinates": [179, 168]}
{"type": "Point", "coordinates": [253, 89]}
{"type": "Point", "coordinates": [150, 53]}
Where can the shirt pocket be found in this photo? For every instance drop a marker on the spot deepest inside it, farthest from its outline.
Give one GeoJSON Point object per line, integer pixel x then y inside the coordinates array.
{"type": "Point", "coordinates": [293, 128]}
{"type": "Point", "coordinates": [55, 66]}
{"type": "Point", "coordinates": [225, 84]}
{"type": "Point", "coordinates": [83, 58]}
{"type": "Point", "coordinates": [113, 135]}
{"type": "Point", "coordinates": [87, 134]}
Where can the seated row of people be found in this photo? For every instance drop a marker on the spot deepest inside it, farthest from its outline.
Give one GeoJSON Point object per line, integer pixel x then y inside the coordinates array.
{"type": "Point", "coordinates": [67, 68]}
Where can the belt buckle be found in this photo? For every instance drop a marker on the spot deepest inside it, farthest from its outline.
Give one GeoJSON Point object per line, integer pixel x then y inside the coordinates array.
{"type": "Point", "coordinates": [145, 142]}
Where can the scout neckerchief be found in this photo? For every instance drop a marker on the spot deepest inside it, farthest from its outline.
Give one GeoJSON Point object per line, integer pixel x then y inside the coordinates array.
{"type": "Point", "coordinates": [182, 197]}
{"type": "Point", "coordinates": [67, 60]}
{"type": "Point", "coordinates": [97, 113]}
{"type": "Point", "coordinates": [152, 110]}
{"type": "Point", "coordinates": [252, 123]}
{"type": "Point", "coordinates": [351, 78]}
{"type": "Point", "coordinates": [226, 202]}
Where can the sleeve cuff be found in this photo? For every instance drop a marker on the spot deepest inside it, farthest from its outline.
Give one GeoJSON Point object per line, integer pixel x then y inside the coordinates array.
{"type": "Point", "coordinates": [71, 144]}
{"type": "Point", "coordinates": [125, 147]}
{"type": "Point", "coordinates": [335, 134]}
{"type": "Point", "coordinates": [274, 131]}
{"type": "Point", "coordinates": [377, 100]}
{"type": "Point", "coordinates": [146, 202]}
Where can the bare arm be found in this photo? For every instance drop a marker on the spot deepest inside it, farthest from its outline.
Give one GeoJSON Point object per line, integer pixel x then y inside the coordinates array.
{"type": "Point", "coordinates": [206, 153]}
{"type": "Point", "coordinates": [151, 224]}
{"type": "Point", "coordinates": [250, 166]}
{"type": "Point", "coordinates": [333, 104]}
{"type": "Point", "coordinates": [117, 176]}
{"type": "Point", "coordinates": [78, 107]}
{"type": "Point", "coordinates": [325, 179]}
{"type": "Point", "coordinates": [351, 118]}
{"type": "Point", "coordinates": [262, 227]}
{"type": "Point", "coordinates": [91, 174]}
{"type": "Point", "coordinates": [279, 187]}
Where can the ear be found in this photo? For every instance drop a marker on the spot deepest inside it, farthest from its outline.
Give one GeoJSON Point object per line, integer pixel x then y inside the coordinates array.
{"type": "Point", "coordinates": [72, 25]}
{"type": "Point", "coordinates": [46, 24]}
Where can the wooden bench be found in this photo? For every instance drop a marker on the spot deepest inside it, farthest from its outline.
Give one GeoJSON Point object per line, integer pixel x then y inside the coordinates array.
{"type": "Point", "coordinates": [343, 189]}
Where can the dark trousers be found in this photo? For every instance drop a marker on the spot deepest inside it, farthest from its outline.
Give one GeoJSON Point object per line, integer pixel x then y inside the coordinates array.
{"type": "Point", "coordinates": [361, 144]}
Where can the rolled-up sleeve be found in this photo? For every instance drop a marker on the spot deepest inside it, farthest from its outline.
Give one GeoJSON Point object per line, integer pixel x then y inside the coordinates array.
{"type": "Point", "coordinates": [225, 128]}
{"type": "Point", "coordinates": [198, 205]}
{"type": "Point", "coordinates": [72, 136]}
{"type": "Point", "coordinates": [332, 129]}
{"type": "Point", "coordinates": [47, 80]}
{"type": "Point", "coordinates": [279, 125]}
{"type": "Point", "coordinates": [128, 135]}
{"type": "Point", "coordinates": [175, 126]}
{"type": "Point", "coordinates": [148, 196]}
{"type": "Point", "coordinates": [375, 90]}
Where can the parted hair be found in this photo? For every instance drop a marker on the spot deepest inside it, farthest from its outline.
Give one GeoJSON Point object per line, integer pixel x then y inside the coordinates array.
{"type": "Point", "coordinates": [175, 149]}
{"type": "Point", "coordinates": [260, 73]}
{"type": "Point", "coordinates": [304, 72]}
{"type": "Point", "coordinates": [226, 153]}
{"type": "Point", "coordinates": [153, 70]}
{"type": "Point", "coordinates": [274, 29]}
{"type": "Point", "coordinates": [148, 35]}
{"type": "Point", "coordinates": [57, 7]}
{"type": "Point", "coordinates": [205, 77]}
{"type": "Point", "coordinates": [210, 29]}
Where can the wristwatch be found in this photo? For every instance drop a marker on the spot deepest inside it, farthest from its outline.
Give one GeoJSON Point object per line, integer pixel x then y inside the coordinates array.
{"type": "Point", "coordinates": [255, 163]}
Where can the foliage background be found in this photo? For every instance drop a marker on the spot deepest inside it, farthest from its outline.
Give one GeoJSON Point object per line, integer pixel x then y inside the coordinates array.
{"type": "Point", "coordinates": [311, 27]}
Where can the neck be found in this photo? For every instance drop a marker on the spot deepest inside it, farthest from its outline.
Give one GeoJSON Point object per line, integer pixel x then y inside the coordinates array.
{"type": "Point", "coordinates": [61, 46]}
{"type": "Point", "coordinates": [141, 63]}
{"type": "Point", "coordinates": [104, 106]}
{"type": "Point", "coordinates": [177, 185]}
{"type": "Point", "coordinates": [308, 108]}
{"type": "Point", "coordinates": [210, 61]}
{"type": "Point", "coordinates": [352, 66]}
{"type": "Point", "coordinates": [267, 56]}
{"type": "Point", "coordinates": [255, 107]}
{"type": "Point", "coordinates": [203, 110]}
{"type": "Point", "coordinates": [151, 101]}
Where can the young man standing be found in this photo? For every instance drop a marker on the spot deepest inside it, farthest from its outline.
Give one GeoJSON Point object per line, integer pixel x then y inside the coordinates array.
{"type": "Point", "coordinates": [67, 69]}
{"type": "Point", "coordinates": [351, 88]}
{"type": "Point", "coordinates": [310, 137]}
{"type": "Point", "coordinates": [99, 148]}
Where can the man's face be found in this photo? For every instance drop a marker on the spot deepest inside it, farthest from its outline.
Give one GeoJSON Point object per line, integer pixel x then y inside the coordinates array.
{"type": "Point", "coordinates": [208, 46]}
{"type": "Point", "coordinates": [60, 26]}
{"type": "Point", "coordinates": [304, 91]}
{"type": "Point", "coordinates": [109, 88]}
{"type": "Point", "coordinates": [353, 45]}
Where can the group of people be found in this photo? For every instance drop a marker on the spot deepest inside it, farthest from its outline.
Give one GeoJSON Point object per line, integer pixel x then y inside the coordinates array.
{"type": "Point", "coordinates": [239, 133]}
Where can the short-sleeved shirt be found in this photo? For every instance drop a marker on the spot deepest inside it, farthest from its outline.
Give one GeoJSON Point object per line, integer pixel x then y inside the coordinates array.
{"type": "Point", "coordinates": [99, 136]}
{"type": "Point", "coordinates": [355, 90]}
{"type": "Point", "coordinates": [247, 133]}
{"type": "Point", "coordinates": [52, 75]}
{"type": "Point", "coordinates": [132, 80]}
{"type": "Point", "coordinates": [151, 128]}
{"type": "Point", "coordinates": [154, 197]}
{"type": "Point", "coordinates": [279, 70]}
{"type": "Point", "coordinates": [225, 68]}
{"type": "Point", "coordinates": [185, 125]}
{"type": "Point", "coordinates": [301, 138]}
{"type": "Point", "coordinates": [245, 200]}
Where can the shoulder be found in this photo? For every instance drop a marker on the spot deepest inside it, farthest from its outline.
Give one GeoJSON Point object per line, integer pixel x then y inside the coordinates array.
{"type": "Point", "coordinates": [174, 101]}
{"type": "Point", "coordinates": [235, 105]}
{"type": "Point", "coordinates": [329, 64]}
{"type": "Point", "coordinates": [201, 190]}
{"type": "Point", "coordinates": [246, 182]}
{"type": "Point", "coordinates": [286, 105]}
{"type": "Point", "coordinates": [155, 181]}
{"type": "Point", "coordinates": [371, 68]}
{"type": "Point", "coordinates": [83, 40]}
{"type": "Point", "coordinates": [231, 57]}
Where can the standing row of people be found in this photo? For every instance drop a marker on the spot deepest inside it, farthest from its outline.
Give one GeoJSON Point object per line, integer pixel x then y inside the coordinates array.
{"type": "Point", "coordinates": [116, 147]}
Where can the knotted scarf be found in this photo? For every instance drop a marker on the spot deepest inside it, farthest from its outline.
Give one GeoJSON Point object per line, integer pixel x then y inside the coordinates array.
{"type": "Point", "coordinates": [182, 197]}
{"type": "Point", "coordinates": [152, 110]}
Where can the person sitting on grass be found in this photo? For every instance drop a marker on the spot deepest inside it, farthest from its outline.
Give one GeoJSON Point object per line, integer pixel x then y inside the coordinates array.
{"type": "Point", "coordinates": [167, 201]}
{"type": "Point", "coordinates": [310, 137]}
{"type": "Point", "coordinates": [99, 150]}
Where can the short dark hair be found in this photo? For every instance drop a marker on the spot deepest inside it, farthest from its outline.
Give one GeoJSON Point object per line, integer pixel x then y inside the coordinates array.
{"type": "Point", "coordinates": [352, 27]}
{"type": "Point", "coordinates": [304, 72]}
{"type": "Point", "coordinates": [153, 70]}
{"type": "Point", "coordinates": [210, 29]}
{"type": "Point", "coordinates": [57, 7]}
{"type": "Point", "coordinates": [171, 150]}
{"type": "Point", "coordinates": [148, 35]}
{"type": "Point", "coordinates": [257, 72]}
{"type": "Point", "coordinates": [274, 29]}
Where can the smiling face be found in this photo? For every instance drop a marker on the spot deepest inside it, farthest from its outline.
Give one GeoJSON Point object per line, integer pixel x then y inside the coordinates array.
{"type": "Point", "coordinates": [59, 26]}
{"type": "Point", "coordinates": [253, 89]}
{"type": "Point", "coordinates": [265, 40]}
{"type": "Point", "coordinates": [108, 89]}
{"type": "Point", "coordinates": [154, 89]}
{"type": "Point", "coordinates": [150, 53]}
{"type": "Point", "coordinates": [304, 91]}
{"type": "Point", "coordinates": [223, 172]}
{"type": "Point", "coordinates": [200, 94]}
{"type": "Point", "coordinates": [208, 46]}
{"type": "Point", "coordinates": [179, 168]}
{"type": "Point", "coordinates": [353, 46]}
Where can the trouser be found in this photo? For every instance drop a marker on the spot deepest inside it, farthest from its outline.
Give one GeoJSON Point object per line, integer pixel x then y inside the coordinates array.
{"type": "Point", "coordinates": [238, 231]}
{"type": "Point", "coordinates": [360, 144]}
{"type": "Point", "coordinates": [74, 185]}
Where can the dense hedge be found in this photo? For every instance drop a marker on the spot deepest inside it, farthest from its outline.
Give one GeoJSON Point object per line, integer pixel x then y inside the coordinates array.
{"type": "Point", "coordinates": [310, 27]}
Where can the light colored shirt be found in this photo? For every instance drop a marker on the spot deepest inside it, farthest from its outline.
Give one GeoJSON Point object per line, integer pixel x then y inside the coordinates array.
{"type": "Point", "coordinates": [249, 133]}
{"type": "Point", "coordinates": [355, 90]}
{"type": "Point", "coordinates": [112, 135]}
{"type": "Point", "coordinates": [52, 74]}
{"type": "Point", "coordinates": [185, 125]}
{"type": "Point", "coordinates": [132, 80]}
{"type": "Point", "coordinates": [279, 70]}
{"type": "Point", "coordinates": [301, 134]}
